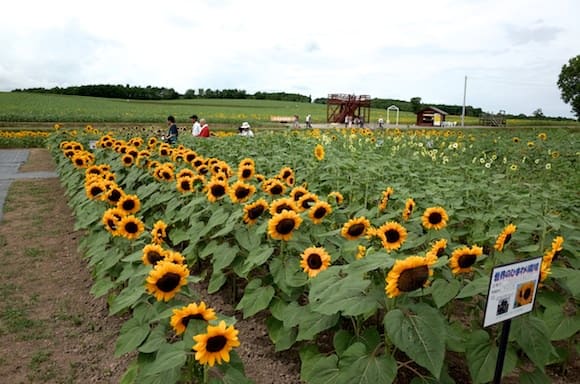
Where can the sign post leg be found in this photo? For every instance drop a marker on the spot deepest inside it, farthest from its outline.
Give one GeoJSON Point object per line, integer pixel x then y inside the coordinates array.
{"type": "Point", "coordinates": [503, 341]}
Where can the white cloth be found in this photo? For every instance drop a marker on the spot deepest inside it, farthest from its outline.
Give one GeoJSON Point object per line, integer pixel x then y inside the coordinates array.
{"type": "Point", "coordinates": [196, 129]}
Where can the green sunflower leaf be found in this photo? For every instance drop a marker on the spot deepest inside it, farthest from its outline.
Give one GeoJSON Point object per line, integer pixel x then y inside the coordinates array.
{"type": "Point", "coordinates": [476, 287]}
{"type": "Point", "coordinates": [444, 291]}
{"type": "Point", "coordinates": [532, 335]}
{"type": "Point", "coordinates": [155, 340]}
{"type": "Point", "coordinates": [357, 365]}
{"type": "Point", "coordinates": [131, 335]}
{"type": "Point", "coordinates": [312, 323]}
{"type": "Point", "coordinates": [331, 293]}
{"type": "Point", "coordinates": [322, 370]}
{"type": "Point", "coordinates": [283, 338]}
{"type": "Point", "coordinates": [420, 332]}
{"type": "Point", "coordinates": [217, 280]}
{"type": "Point", "coordinates": [481, 357]}
{"type": "Point", "coordinates": [561, 326]}
{"type": "Point", "coordinates": [169, 357]}
{"type": "Point", "coordinates": [256, 298]}
{"type": "Point", "coordinates": [535, 377]}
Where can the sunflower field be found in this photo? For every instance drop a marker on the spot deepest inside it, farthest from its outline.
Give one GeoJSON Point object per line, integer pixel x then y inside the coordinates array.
{"type": "Point", "coordinates": [369, 252]}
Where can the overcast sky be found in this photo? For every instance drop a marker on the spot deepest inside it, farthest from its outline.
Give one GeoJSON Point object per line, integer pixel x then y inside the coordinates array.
{"type": "Point", "coordinates": [511, 51]}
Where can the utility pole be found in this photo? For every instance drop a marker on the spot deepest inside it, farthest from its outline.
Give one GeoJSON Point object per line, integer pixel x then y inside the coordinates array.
{"type": "Point", "coordinates": [463, 109]}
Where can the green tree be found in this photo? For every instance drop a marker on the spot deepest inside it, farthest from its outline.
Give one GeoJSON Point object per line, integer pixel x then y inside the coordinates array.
{"type": "Point", "coordinates": [569, 84]}
{"type": "Point", "coordinates": [416, 104]}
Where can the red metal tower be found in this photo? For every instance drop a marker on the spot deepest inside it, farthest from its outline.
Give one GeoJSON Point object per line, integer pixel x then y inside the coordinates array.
{"type": "Point", "coordinates": [340, 105]}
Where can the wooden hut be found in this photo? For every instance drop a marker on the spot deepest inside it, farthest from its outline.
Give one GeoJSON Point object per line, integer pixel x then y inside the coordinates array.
{"type": "Point", "coordinates": [431, 117]}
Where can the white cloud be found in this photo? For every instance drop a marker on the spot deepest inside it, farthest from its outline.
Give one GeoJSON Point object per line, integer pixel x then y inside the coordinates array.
{"type": "Point", "coordinates": [511, 52]}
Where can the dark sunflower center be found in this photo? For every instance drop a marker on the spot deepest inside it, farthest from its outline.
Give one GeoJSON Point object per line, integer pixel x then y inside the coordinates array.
{"type": "Point", "coordinates": [112, 224]}
{"type": "Point", "coordinates": [218, 190]}
{"type": "Point", "coordinates": [166, 175]}
{"type": "Point", "coordinates": [255, 212]}
{"type": "Point", "coordinates": [246, 173]}
{"type": "Point", "coordinates": [356, 229]}
{"type": "Point", "coordinates": [128, 159]}
{"type": "Point", "coordinates": [131, 227]}
{"type": "Point", "coordinates": [307, 203]}
{"type": "Point", "coordinates": [319, 213]}
{"type": "Point", "coordinates": [189, 157]}
{"type": "Point", "coordinates": [435, 218]}
{"type": "Point", "coordinates": [440, 251]}
{"type": "Point", "coordinates": [285, 226]}
{"type": "Point", "coordinates": [95, 191]}
{"type": "Point", "coordinates": [185, 185]}
{"type": "Point", "coordinates": [276, 189]}
{"type": "Point", "coordinates": [154, 257]}
{"type": "Point", "coordinates": [314, 261]}
{"type": "Point", "coordinates": [466, 261]}
{"type": "Point", "coordinates": [216, 343]}
{"type": "Point", "coordinates": [414, 278]}
{"type": "Point", "coordinates": [298, 195]}
{"type": "Point", "coordinates": [527, 293]}
{"type": "Point", "coordinates": [164, 152]}
{"type": "Point", "coordinates": [508, 237]}
{"type": "Point", "coordinates": [197, 163]}
{"type": "Point", "coordinates": [114, 195]}
{"type": "Point", "coordinates": [168, 282]}
{"type": "Point", "coordinates": [80, 161]}
{"type": "Point", "coordinates": [392, 235]}
{"type": "Point", "coordinates": [282, 207]}
{"type": "Point", "coordinates": [197, 316]}
{"type": "Point", "coordinates": [286, 174]}
{"type": "Point", "coordinates": [242, 192]}
{"type": "Point", "coordinates": [128, 205]}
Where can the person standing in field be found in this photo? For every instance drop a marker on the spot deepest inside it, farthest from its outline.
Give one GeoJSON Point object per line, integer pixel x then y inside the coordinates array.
{"type": "Point", "coordinates": [172, 132]}
{"type": "Point", "coordinates": [204, 132]}
{"type": "Point", "coordinates": [309, 121]}
{"type": "Point", "coordinates": [196, 128]}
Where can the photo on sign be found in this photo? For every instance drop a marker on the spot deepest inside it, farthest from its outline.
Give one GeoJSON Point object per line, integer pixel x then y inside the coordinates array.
{"type": "Point", "coordinates": [503, 305]}
{"type": "Point", "coordinates": [525, 293]}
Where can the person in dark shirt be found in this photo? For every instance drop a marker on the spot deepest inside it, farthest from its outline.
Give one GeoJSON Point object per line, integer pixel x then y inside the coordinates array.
{"type": "Point", "coordinates": [172, 132]}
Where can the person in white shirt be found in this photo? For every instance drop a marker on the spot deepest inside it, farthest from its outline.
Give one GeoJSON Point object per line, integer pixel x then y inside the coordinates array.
{"type": "Point", "coordinates": [246, 130]}
{"type": "Point", "coordinates": [196, 128]}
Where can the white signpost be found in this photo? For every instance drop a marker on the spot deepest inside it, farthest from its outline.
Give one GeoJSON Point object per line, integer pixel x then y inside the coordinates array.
{"type": "Point", "coordinates": [512, 292]}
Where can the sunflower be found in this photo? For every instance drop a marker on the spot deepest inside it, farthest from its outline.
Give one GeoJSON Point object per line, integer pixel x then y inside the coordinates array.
{"type": "Point", "coordinates": [557, 246]}
{"type": "Point", "coordinates": [111, 219]}
{"type": "Point", "coordinates": [93, 170]}
{"type": "Point", "coordinates": [408, 275]}
{"type": "Point", "coordinates": [274, 187]}
{"type": "Point", "coordinates": [166, 279]}
{"type": "Point", "coordinates": [216, 190]}
{"type": "Point", "coordinates": [525, 293]}
{"type": "Point", "coordinates": [306, 201]}
{"type": "Point", "coordinates": [437, 249]}
{"type": "Point", "coordinates": [279, 205]}
{"type": "Point", "coordinates": [190, 155]}
{"type": "Point", "coordinates": [434, 218]}
{"type": "Point", "coordinates": [95, 189]}
{"type": "Point", "coordinates": [409, 206]}
{"type": "Point", "coordinates": [159, 232]}
{"type": "Point", "coordinates": [184, 184]}
{"type": "Point", "coordinates": [504, 237]}
{"type": "Point", "coordinates": [174, 257]}
{"type": "Point", "coordinates": [555, 154]}
{"type": "Point", "coordinates": [254, 210]}
{"type": "Point", "coordinates": [130, 227]}
{"type": "Point", "coordinates": [386, 195]}
{"type": "Point", "coordinates": [297, 192]}
{"type": "Point", "coordinates": [282, 225]}
{"type": "Point", "coordinates": [355, 228]}
{"type": "Point", "coordinates": [314, 260]}
{"type": "Point", "coordinates": [215, 345]}
{"type": "Point", "coordinates": [185, 172]}
{"type": "Point", "coordinates": [152, 254]}
{"type": "Point", "coordinates": [361, 252]}
{"type": "Point", "coordinates": [127, 160]}
{"type": "Point", "coordinates": [319, 211]}
{"type": "Point", "coordinates": [337, 197]}
{"type": "Point", "coordinates": [463, 258]}
{"type": "Point", "coordinates": [246, 173]}
{"type": "Point", "coordinates": [241, 192]}
{"type": "Point", "coordinates": [129, 204]}
{"type": "Point", "coordinates": [285, 173]}
{"type": "Point", "coordinates": [319, 152]}
{"type": "Point", "coordinates": [392, 235]}
{"type": "Point", "coordinates": [516, 139]}
{"type": "Point", "coordinates": [542, 136]}
{"type": "Point", "coordinates": [546, 268]}
{"type": "Point", "coordinates": [247, 162]}
{"type": "Point", "coordinates": [182, 316]}
{"type": "Point", "coordinates": [113, 194]}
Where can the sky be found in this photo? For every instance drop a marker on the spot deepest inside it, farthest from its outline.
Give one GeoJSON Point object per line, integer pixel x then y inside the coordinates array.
{"type": "Point", "coordinates": [501, 55]}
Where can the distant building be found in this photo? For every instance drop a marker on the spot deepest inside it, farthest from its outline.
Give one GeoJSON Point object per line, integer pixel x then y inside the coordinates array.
{"type": "Point", "coordinates": [431, 117]}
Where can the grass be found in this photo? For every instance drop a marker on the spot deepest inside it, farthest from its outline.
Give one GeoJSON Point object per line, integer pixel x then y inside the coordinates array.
{"type": "Point", "coordinates": [41, 111]}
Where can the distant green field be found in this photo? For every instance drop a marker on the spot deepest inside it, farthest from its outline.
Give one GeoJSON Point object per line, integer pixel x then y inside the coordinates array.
{"type": "Point", "coordinates": [47, 109]}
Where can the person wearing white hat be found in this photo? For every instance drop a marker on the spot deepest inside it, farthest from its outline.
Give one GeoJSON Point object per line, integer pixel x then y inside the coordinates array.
{"type": "Point", "coordinates": [246, 130]}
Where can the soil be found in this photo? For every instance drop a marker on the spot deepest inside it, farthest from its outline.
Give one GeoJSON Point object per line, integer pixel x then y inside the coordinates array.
{"type": "Point", "coordinates": [52, 330]}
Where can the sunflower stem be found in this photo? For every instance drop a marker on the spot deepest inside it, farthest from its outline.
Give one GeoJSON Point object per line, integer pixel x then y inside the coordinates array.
{"type": "Point", "coordinates": [205, 373]}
